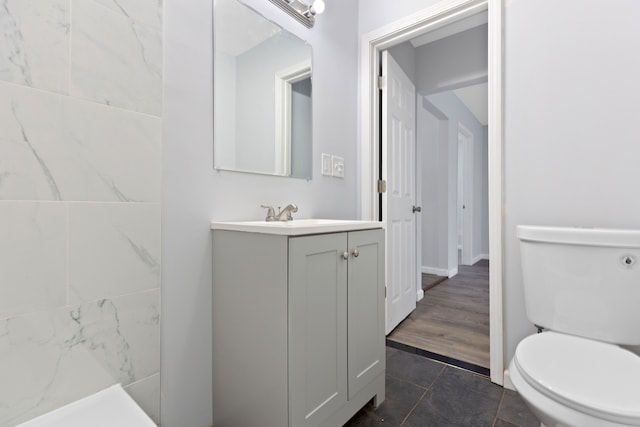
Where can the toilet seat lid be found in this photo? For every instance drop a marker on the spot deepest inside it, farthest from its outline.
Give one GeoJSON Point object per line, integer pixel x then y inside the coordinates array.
{"type": "Point", "coordinates": [593, 377]}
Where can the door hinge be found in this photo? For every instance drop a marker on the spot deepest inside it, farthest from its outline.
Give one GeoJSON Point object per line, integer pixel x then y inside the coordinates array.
{"type": "Point", "coordinates": [382, 186]}
{"type": "Point", "coordinates": [385, 292]}
{"type": "Point", "coordinates": [382, 82]}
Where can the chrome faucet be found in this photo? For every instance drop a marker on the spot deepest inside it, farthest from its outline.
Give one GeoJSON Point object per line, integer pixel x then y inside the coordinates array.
{"type": "Point", "coordinates": [271, 214]}
{"type": "Point", "coordinates": [283, 215]}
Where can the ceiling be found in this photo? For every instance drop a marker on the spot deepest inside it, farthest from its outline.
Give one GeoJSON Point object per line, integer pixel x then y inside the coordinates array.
{"type": "Point", "coordinates": [474, 97]}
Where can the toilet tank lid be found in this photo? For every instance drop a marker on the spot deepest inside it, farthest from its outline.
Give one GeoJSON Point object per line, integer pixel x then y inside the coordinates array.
{"type": "Point", "coordinates": [609, 237]}
{"type": "Point", "coordinates": [597, 378]}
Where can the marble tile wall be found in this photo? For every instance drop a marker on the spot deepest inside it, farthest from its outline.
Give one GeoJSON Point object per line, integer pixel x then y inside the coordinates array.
{"type": "Point", "coordinates": [80, 172]}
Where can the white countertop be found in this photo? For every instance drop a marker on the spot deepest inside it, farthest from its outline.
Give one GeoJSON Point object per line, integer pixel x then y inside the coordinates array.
{"type": "Point", "coordinates": [296, 227]}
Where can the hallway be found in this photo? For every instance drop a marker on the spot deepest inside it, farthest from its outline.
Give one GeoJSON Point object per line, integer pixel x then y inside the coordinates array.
{"type": "Point", "coordinates": [452, 320]}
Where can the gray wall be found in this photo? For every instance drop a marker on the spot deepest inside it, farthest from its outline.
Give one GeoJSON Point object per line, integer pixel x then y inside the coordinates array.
{"type": "Point", "coordinates": [441, 189]}
{"type": "Point", "coordinates": [433, 137]}
{"type": "Point", "coordinates": [302, 129]}
{"type": "Point", "coordinates": [405, 56]}
{"type": "Point", "coordinates": [571, 86]}
{"type": "Point", "coordinates": [432, 68]}
{"type": "Point", "coordinates": [453, 62]}
{"type": "Point", "coordinates": [256, 70]}
{"type": "Point", "coordinates": [194, 194]}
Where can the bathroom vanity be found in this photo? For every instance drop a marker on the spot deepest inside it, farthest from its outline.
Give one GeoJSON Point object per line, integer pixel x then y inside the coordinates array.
{"type": "Point", "coordinates": [298, 321]}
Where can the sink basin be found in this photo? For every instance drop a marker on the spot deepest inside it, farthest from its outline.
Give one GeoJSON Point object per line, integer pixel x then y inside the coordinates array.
{"type": "Point", "coordinates": [297, 227]}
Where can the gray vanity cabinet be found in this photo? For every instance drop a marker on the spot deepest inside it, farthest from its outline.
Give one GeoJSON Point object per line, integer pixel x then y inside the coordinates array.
{"type": "Point", "coordinates": [336, 321]}
{"type": "Point", "coordinates": [309, 311]}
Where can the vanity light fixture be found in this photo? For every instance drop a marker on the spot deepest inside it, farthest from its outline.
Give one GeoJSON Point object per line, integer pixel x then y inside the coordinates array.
{"type": "Point", "coordinates": [301, 11]}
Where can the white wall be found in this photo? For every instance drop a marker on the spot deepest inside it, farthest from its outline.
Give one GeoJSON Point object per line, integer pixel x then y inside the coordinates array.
{"type": "Point", "coordinates": [377, 13]}
{"type": "Point", "coordinates": [571, 87]}
{"type": "Point", "coordinates": [571, 90]}
{"type": "Point", "coordinates": [225, 106]}
{"type": "Point", "coordinates": [80, 147]}
{"type": "Point", "coordinates": [194, 194]}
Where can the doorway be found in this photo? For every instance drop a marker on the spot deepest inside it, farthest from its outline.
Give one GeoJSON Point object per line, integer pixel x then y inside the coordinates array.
{"type": "Point", "coordinates": [375, 42]}
{"type": "Point", "coordinates": [465, 194]}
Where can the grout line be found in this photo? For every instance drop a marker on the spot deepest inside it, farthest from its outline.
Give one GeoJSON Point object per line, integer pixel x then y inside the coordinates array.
{"type": "Point", "coordinates": [426, 391]}
{"type": "Point", "coordinates": [495, 419]}
{"type": "Point", "coordinates": [437, 377]}
{"type": "Point", "coordinates": [78, 304]}
{"type": "Point", "coordinates": [155, 374]}
{"type": "Point", "coordinates": [80, 202]}
{"type": "Point", "coordinates": [70, 51]}
{"type": "Point", "coordinates": [79, 99]}
{"type": "Point", "coordinates": [413, 407]}
{"type": "Point", "coordinates": [67, 240]}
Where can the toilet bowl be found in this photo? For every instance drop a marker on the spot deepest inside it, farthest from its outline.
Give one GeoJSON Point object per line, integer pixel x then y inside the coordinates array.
{"type": "Point", "coordinates": [582, 286]}
{"type": "Point", "coordinates": [108, 408]}
{"type": "Point", "coordinates": [574, 381]}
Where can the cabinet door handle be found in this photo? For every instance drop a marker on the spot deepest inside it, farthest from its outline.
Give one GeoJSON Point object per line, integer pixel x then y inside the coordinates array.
{"type": "Point", "coordinates": [345, 255]}
{"type": "Point", "coordinates": [356, 253]}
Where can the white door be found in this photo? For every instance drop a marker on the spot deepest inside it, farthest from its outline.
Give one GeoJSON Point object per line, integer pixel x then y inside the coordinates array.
{"type": "Point", "coordinates": [398, 169]}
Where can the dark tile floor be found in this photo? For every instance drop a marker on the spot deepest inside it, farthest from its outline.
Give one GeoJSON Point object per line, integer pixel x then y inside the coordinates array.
{"type": "Point", "coordinates": [422, 392]}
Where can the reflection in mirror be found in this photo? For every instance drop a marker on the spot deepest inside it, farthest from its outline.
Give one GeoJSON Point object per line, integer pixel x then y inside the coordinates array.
{"type": "Point", "coordinates": [262, 95]}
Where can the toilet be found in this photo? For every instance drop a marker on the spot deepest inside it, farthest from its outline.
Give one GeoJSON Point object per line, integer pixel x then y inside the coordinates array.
{"type": "Point", "coordinates": [107, 408]}
{"type": "Point", "coordinates": [582, 290]}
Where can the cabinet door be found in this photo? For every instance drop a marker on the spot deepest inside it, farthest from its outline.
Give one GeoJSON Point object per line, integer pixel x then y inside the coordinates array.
{"type": "Point", "coordinates": [365, 304]}
{"type": "Point", "coordinates": [317, 328]}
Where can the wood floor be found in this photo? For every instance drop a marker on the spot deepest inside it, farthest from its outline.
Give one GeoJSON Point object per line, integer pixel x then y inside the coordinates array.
{"type": "Point", "coordinates": [452, 319]}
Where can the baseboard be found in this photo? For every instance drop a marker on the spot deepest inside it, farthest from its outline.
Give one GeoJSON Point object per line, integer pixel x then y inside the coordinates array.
{"type": "Point", "coordinates": [439, 271]}
{"type": "Point", "coordinates": [435, 271]}
{"type": "Point", "coordinates": [507, 381]}
{"type": "Point", "coordinates": [419, 295]}
{"type": "Point", "coordinates": [479, 257]}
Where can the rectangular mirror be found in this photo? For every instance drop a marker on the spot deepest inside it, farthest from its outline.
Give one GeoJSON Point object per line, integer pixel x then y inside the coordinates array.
{"type": "Point", "coordinates": [262, 95]}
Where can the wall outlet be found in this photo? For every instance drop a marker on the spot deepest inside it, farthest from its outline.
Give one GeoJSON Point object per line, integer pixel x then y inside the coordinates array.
{"type": "Point", "coordinates": [326, 166]}
{"type": "Point", "coordinates": [337, 166]}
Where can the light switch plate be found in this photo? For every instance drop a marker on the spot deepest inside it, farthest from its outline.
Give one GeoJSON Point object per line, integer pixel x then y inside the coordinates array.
{"type": "Point", "coordinates": [326, 166]}
{"type": "Point", "coordinates": [338, 166]}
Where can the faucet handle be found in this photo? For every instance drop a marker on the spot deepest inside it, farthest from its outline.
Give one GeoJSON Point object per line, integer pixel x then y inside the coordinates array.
{"type": "Point", "coordinates": [271, 214]}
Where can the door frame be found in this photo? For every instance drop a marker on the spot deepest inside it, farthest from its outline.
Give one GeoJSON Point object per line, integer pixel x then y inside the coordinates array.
{"type": "Point", "coordinates": [404, 29]}
{"type": "Point", "coordinates": [284, 79]}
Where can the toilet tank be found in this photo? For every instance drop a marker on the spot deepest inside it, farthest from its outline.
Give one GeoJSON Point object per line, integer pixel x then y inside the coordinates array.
{"type": "Point", "coordinates": [583, 281]}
